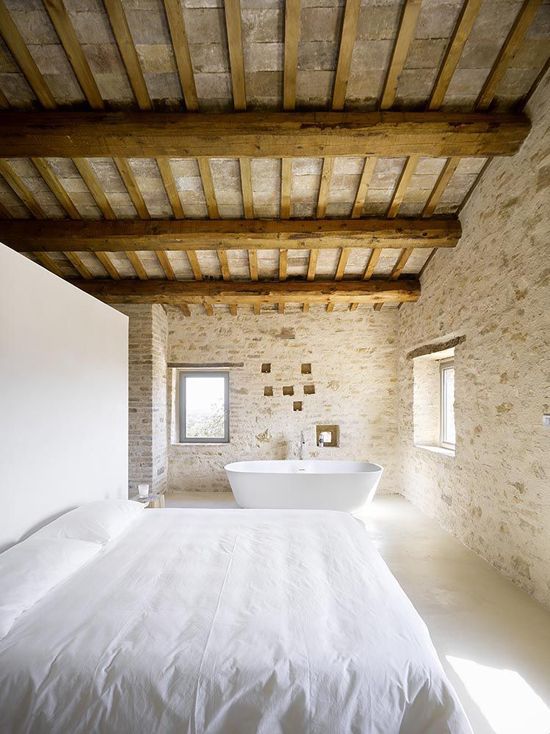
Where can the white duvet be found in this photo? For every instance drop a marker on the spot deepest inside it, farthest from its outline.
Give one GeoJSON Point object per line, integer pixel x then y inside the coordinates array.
{"type": "Point", "coordinates": [233, 622]}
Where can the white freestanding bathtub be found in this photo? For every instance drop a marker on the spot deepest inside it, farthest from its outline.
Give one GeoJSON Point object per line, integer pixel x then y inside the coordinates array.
{"type": "Point", "coordinates": [313, 484]}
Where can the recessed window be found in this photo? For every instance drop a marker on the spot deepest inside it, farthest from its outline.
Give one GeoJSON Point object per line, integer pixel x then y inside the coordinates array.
{"type": "Point", "coordinates": [447, 399]}
{"type": "Point", "coordinates": [204, 407]}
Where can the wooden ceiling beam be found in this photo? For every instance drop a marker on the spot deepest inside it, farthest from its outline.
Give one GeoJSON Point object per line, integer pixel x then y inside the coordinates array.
{"type": "Point", "coordinates": [292, 39]}
{"type": "Point", "coordinates": [361, 195]}
{"type": "Point", "coordinates": [166, 265]}
{"type": "Point", "coordinates": [220, 292]}
{"type": "Point", "coordinates": [286, 188]}
{"type": "Point", "coordinates": [107, 263]}
{"type": "Point", "coordinates": [170, 187]}
{"type": "Point", "coordinates": [347, 42]}
{"type": "Point", "coordinates": [21, 190]}
{"type": "Point", "coordinates": [21, 54]}
{"type": "Point", "coordinates": [4, 104]}
{"type": "Point", "coordinates": [49, 263]}
{"type": "Point", "coordinates": [132, 187]}
{"type": "Point", "coordinates": [441, 184]}
{"type": "Point", "coordinates": [405, 35]}
{"type": "Point", "coordinates": [56, 188]}
{"type": "Point", "coordinates": [78, 265]}
{"type": "Point", "coordinates": [246, 188]}
{"type": "Point", "coordinates": [259, 134]}
{"type": "Point", "coordinates": [506, 54]}
{"type": "Point", "coordinates": [236, 57]}
{"type": "Point", "coordinates": [180, 45]}
{"type": "Point", "coordinates": [371, 264]}
{"type": "Point", "coordinates": [402, 260]}
{"type": "Point", "coordinates": [195, 265]}
{"type": "Point", "coordinates": [324, 187]}
{"type": "Point", "coordinates": [236, 234]}
{"type": "Point", "coordinates": [253, 264]}
{"type": "Point", "coordinates": [342, 262]}
{"type": "Point", "coordinates": [312, 264]}
{"type": "Point", "coordinates": [224, 265]}
{"type": "Point", "coordinates": [208, 188]}
{"type": "Point", "coordinates": [69, 40]}
{"type": "Point", "coordinates": [462, 30]}
{"type": "Point", "coordinates": [402, 186]}
{"type": "Point", "coordinates": [96, 190]}
{"type": "Point", "coordinates": [136, 263]}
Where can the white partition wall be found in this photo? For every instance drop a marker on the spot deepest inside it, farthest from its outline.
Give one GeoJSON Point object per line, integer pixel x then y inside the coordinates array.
{"type": "Point", "coordinates": [63, 397]}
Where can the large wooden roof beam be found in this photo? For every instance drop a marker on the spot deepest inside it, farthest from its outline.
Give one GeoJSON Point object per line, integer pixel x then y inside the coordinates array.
{"type": "Point", "coordinates": [259, 134]}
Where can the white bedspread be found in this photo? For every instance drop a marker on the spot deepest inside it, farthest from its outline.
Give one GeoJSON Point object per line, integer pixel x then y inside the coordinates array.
{"type": "Point", "coordinates": [229, 622]}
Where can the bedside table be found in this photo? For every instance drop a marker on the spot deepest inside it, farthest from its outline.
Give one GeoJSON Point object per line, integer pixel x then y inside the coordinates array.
{"type": "Point", "coordinates": [155, 500]}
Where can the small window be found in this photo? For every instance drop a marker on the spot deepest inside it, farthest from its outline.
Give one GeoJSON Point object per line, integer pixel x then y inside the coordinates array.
{"type": "Point", "coordinates": [204, 407]}
{"type": "Point", "coordinates": [447, 398]}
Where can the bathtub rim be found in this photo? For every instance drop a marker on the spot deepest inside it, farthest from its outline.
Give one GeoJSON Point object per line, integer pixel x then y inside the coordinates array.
{"type": "Point", "coordinates": [237, 467]}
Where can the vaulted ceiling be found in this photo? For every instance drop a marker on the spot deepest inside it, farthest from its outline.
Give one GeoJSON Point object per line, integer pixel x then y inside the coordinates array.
{"type": "Point", "coordinates": [312, 152]}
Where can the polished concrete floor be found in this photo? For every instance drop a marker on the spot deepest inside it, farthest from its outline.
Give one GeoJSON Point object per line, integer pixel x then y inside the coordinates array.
{"type": "Point", "coordinates": [492, 638]}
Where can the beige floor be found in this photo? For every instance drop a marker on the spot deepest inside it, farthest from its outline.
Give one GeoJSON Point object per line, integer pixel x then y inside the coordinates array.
{"type": "Point", "coordinates": [493, 639]}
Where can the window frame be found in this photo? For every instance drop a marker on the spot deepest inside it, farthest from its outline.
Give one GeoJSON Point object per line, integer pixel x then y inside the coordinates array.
{"type": "Point", "coordinates": [444, 366]}
{"type": "Point", "coordinates": [182, 391]}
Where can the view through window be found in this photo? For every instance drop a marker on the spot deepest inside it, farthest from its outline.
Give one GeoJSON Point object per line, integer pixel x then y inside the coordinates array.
{"type": "Point", "coordinates": [204, 407]}
{"type": "Point", "coordinates": [448, 435]}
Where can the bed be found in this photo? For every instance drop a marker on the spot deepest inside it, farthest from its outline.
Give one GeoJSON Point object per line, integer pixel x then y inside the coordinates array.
{"type": "Point", "coordinates": [222, 622]}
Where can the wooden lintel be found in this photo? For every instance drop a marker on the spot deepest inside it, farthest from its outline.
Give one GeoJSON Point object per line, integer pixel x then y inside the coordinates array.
{"type": "Point", "coordinates": [259, 134]}
{"type": "Point", "coordinates": [187, 235]}
{"type": "Point", "coordinates": [210, 292]}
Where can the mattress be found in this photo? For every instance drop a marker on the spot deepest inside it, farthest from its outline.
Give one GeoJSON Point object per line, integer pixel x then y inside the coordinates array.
{"type": "Point", "coordinates": [228, 621]}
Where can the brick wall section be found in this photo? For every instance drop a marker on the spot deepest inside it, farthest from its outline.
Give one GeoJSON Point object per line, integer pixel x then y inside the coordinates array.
{"type": "Point", "coordinates": [495, 289]}
{"type": "Point", "coordinates": [147, 396]}
{"type": "Point", "coordinates": [353, 357]}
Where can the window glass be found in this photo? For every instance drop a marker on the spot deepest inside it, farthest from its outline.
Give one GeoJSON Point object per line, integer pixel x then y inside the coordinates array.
{"type": "Point", "coordinates": [448, 433]}
{"type": "Point", "coordinates": [204, 414]}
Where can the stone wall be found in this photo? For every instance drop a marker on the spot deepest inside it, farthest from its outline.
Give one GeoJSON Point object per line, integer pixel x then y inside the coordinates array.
{"type": "Point", "coordinates": [147, 451]}
{"type": "Point", "coordinates": [354, 360]}
{"type": "Point", "coordinates": [494, 289]}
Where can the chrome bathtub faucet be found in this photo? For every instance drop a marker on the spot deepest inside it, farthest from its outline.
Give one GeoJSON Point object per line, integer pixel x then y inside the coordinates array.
{"type": "Point", "coordinates": [302, 446]}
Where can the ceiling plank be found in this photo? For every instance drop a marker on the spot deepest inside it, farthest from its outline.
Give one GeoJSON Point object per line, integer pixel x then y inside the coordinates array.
{"type": "Point", "coordinates": [324, 188]}
{"type": "Point", "coordinates": [208, 188]}
{"type": "Point", "coordinates": [441, 184]}
{"type": "Point", "coordinates": [462, 30]}
{"type": "Point", "coordinates": [133, 257]}
{"type": "Point", "coordinates": [56, 188]}
{"type": "Point", "coordinates": [224, 265]}
{"type": "Point", "coordinates": [195, 265]}
{"type": "Point", "coordinates": [506, 54]}
{"type": "Point", "coordinates": [401, 262]}
{"type": "Point", "coordinates": [107, 263]}
{"type": "Point", "coordinates": [21, 54]}
{"type": "Point", "coordinates": [246, 187]}
{"type": "Point", "coordinates": [347, 42]}
{"type": "Point", "coordinates": [170, 187]}
{"type": "Point", "coordinates": [69, 40]}
{"type": "Point", "coordinates": [236, 58]}
{"type": "Point", "coordinates": [220, 292]}
{"type": "Point", "coordinates": [125, 43]}
{"type": "Point", "coordinates": [292, 40]}
{"type": "Point", "coordinates": [312, 264]}
{"type": "Point", "coordinates": [49, 263]}
{"type": "Point", "coordinates": [362, 189]}
{"type": "Point", "coordinates": [132, 187]}
{"type": "Point", "coordinates": [166, 265]}
{"type": "Point", "coordinates": [92, 182]}
{"type": "Point", "coordinates": [176, 24]}
{"type": "Point", "coordinates": [286, 188]}
{"type": "Point", "coordinates": [21, 190]}
{"type": "Point", "coordinates": [239, 234]}
{"type": "Point", "coordinates": [342, 262]}
{"type": "Point", "coordinates": [402, 186]}
{"type": "Point", "coordinates": [259, 134]}
{"type": "Point", "coordinates": [78, 265]}
{"type": "Point", "coordinates": [405, 35]}
{"type": "Point", "coordinates": [371, 264]}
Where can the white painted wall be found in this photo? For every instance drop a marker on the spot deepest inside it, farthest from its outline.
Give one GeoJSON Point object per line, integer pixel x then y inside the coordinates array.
{"type": "Point", "coordinates": [63, 397]}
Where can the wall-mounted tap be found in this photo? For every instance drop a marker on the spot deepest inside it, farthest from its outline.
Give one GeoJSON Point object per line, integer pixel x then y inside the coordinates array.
{"type": "Point", "coordinates": [321, 441]}
{"type": "Point", "coordinates": [302, 445]}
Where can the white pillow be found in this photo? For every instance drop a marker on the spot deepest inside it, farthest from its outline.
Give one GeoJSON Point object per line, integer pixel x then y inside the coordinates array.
{"type": "Point", "coordinates": [28, 570]}
{"type": "Point", "coordinates": [96, 522]}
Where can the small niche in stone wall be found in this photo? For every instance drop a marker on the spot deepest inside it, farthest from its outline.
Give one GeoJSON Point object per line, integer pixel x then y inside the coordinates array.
{"type": "Point", "coordinates": [268, 392]}
{"type": "Point", "coordinates": [288, 389]}
{"type": "Point", "coordinates": [266, 367]}
{"type": "Point", "coordinates": [297, 405]}
{"type": "Point", "coordinates": [309, 389]}
{"type": "Point", "coordinates": [306, 368]}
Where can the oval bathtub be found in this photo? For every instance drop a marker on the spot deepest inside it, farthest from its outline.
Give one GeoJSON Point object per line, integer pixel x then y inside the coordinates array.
{"type": "Point", "coordinates": [313, 485]}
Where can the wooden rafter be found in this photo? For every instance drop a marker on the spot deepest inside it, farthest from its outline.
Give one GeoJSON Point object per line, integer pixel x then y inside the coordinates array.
{"type": "Point", "coordinates": [69, 40]}
{"type": "Point", "coordinates": [239, 234]}
{"type": "Point", "coordinates": [361, 195]}
{"type": "Point", "coordinates": [371, 264]}
{"type": "Point", "coordinates": [170, 187]}
{"type": "Point", "coordinates": [208, 188]}
{"type": "Point", "coordinates": [253, 264]}
{"type": "Point", "coordinates": [136, 263]}
{"type": "Point", "coordinates": [342, 262]}
{"type": "Point", "coordinates": [286, 188]}
{"type": "Point", "coordinates": [16, 44]}
{"type": "Point", "coordinates": [49, 263]}
{"type": "Point", "coordinates": [176, 24]}
{"type": "Point", "coordinates": [438, 190]}
{"type": "Point", "coordinates": [236, 58]}
{"type": "Point", "coordinates": [312, 264]}
{"type": "Point", "coordinates": [78, 265]}
{"type": "Point", "coordinates": [132, 187]}
{"type": "Point", "coordinates": [123, 37]}
{"type": "Point", "coordinates": [92, 182]}
{"type": "Point", "coordinates": [4, 104]}
{"type": "Point", "coordinates": [402, 260]}
{"type": "Point", "coordinates": [283, 272]}
{"type": "Point", "coordinates": [378, 306]}
{"type": "Point", "coordinates": [107, 263]}
{"type": "Point", "coordinates": [21, 190]}
{"type": "Point", "coordinates": [56, 188]}
{"type": "Point", "coordinates": [186, 311]}
{"type": "Point", "coordinates": [510, 48]}
{"type": "Point", "coordinates": [462, 30]}
{"type": "Point", "coordinates": [402, 186]}
{"type": "Point", "coordinates": [259, 134]}
{"type": "Point", "coordinates": [166, 265]}
{"type": "Point", "coordinates": [347, 41]}
{"type": "Point", "coordinates": [246, 188]}
{"type": "Point", "coordinates": [224, 265]}
{"type": "Point", "coordinates": [292, 39]}
{"type": "Point", "coordinates": [4, 212]}
{"type": "Point", "coordinates": [324, 187]}
{"type": "Point", "coordinates": [220, 292]}
{"type": "Point", "coordinates": [195, 265]}
{"type": "Point", "coordinates": [405, 35]}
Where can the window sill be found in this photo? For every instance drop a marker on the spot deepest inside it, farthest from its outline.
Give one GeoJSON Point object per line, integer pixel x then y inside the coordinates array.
{"type": "Point", "coordinates": [200, 443]}
{"type": "Point", "coordinates": [436, 449]}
